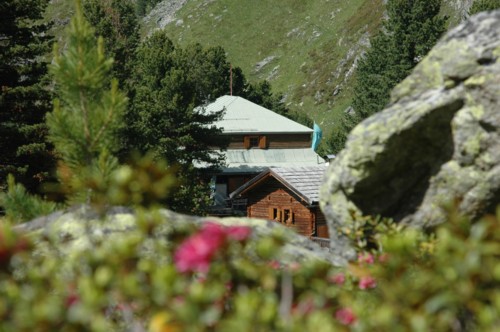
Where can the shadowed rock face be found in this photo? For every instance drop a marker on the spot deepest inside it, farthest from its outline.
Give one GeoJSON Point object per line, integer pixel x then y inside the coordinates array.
{"type": "Point", "coordinates": [436, 142]}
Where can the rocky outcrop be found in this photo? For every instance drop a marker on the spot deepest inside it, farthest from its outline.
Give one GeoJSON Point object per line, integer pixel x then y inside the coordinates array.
{"type": "Point", "coordinates": [438, 141]}
{"type": "Point", "coordinates": [164, 12]}
{"type": "Point", "coordinates": [460, 9]}
{"type": "Point", "coordinates": [78, 228]}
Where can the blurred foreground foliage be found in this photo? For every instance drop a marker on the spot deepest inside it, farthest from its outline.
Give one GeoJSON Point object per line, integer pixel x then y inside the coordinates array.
{"type": "Point", "coordinates": [159, 277]}
{"type": "Point", "coordinates": [141, 280]}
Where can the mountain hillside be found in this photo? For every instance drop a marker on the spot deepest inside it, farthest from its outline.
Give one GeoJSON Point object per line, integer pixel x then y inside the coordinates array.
{"type": "Point", "coordinates": [307, 49]}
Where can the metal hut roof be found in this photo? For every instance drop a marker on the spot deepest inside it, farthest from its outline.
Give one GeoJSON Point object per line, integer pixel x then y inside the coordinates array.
{"type": "Point", "coordinates": [303, 181]}
{"type": "Point", "coordinates": [243, 116]}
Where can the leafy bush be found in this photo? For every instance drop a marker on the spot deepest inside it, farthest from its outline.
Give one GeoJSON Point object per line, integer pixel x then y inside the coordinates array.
{"type": "Point", "coordinates": [212, 278]}
{"type": "Point", "coordinates": [445, 280]}
{"type": "Point", "coordinates": [164, 278]}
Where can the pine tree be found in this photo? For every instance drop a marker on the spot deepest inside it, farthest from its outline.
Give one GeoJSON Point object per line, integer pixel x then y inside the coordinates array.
{"type": "Point", "coordinates": [381, 69]}
{"type": "Point", "coordinates": [165, 118]}
{"type": "Point", "coordinates": [116, 21]}
{"type": "Point", "coordinates": [21, 206]}
{"type": "Point", "coordinates": [337, 140]}
{"type": "Point", "coordinates": [24, 97]}
{"type": "Point", "coordinates": [484, 5]}
{"type": "Point", "coordinates": [411, 30]}
{"type": "Point", "coordinates": [172, 82]}
{"type": "Point", "coordinates": [87, 112]}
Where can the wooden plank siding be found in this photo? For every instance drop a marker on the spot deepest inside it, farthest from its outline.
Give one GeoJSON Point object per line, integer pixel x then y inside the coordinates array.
{"type": "Point", "coordinates": [287, 141]}
{"type": "Point", "coordinates": [283, 141]}
{"type": "Point", "coordinates": [321, 226]}
{"type": "Point", "coordinates": [272, 194]}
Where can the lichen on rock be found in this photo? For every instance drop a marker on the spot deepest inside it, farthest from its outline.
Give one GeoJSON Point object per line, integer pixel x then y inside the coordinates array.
{"type": "Point", "coordinates": [437, 142]}
{"type": "Point", "coordinates": [79, 228]}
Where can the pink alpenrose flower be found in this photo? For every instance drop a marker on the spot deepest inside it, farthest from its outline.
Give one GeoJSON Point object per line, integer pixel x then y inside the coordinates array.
{"type": "Point", "coordinates": [196, 252]}
{"type": "Point", "coordinates": [294, 266]}
{"type": "Point", "coordinates": [345, 316]}
{"type": "Point", "coordinates": [384, 258]}
{"type": "Point", "coordinates": [238, 233]}
{"type": "Point", "coordinates": [216, 233]}
{"type": "Point", "coordinates": [367, 282]}
{"type": "Point", "coordinates": [274, 264]}
{"type": "Point", "coordinates": [366, 258]}
{"type": "Point", "coordinates": [338, 279]}
{"type": "Point", "coordinates": [304, 307]}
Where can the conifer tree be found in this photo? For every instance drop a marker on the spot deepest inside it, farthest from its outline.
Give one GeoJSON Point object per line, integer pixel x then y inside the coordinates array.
{"type": "Point", "coordinates": [411, 30]}
{"type": "Point", "coordinates": [117, 22]}
{"type": "Point", "coordinates": [172, 82]}
{"type": "Point", "coordinates": [88, 111]}
{"type": "Point", "coordinates": [24, 97]}
{"type": "Point", "coordinates": [337, 140]}
{"type": "Point", "coordinates": [484, 5]}
{"type": "Point", "coordinates": [165, 118]}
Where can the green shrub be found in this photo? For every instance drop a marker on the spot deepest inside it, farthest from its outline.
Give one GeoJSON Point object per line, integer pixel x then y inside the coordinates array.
{"type": "Point", "coordinates": [163, 278]}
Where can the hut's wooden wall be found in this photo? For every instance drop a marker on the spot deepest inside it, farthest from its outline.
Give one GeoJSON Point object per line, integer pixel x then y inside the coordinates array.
{"type": "Point", "coordinates": [321, 226]}
{"type": "Point", "coordinates": [284, 141]}
{"type": "Point", "coordinates": [273, 195]}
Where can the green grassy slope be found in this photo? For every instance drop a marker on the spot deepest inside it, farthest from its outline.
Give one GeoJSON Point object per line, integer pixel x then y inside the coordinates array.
{"type": "Point", "coordinates": [306, 48]}
{"type": "Point", "coordinates": [310, 46]}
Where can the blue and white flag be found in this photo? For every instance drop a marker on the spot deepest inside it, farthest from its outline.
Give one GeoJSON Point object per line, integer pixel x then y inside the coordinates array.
{"type": "Point", "coordinates": [317, 135]}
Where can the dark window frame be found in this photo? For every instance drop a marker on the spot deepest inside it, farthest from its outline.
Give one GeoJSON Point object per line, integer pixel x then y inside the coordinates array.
{"type": "Point", "coordinates": [255, 141]}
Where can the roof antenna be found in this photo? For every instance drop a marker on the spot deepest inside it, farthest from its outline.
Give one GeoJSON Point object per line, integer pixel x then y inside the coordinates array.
{"type": "Point", "coordinates": [231, 79]}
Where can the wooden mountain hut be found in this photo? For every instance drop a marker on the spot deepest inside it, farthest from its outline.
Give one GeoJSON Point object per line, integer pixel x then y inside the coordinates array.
{"type": "Point", "coordinates": [258, 139]}
{"type": "Point", "coordinates": [289, 196]}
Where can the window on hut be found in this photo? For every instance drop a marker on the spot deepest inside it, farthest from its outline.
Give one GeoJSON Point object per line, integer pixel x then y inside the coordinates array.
{"type": "Point", "coordinates": [255, 142]}
{"type": "Point", "coordinates": [283, 216]}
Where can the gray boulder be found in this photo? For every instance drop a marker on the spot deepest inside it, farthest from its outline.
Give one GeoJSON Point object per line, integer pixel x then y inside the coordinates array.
{"type": "Point", "coordinates": [80, 227]}
{"type": "Point", "coordinates": [438, 140]}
